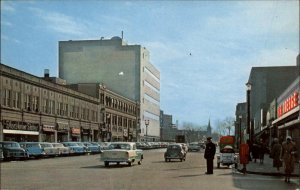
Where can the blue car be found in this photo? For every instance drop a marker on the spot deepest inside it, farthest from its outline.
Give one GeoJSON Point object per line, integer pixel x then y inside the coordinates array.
{"type": "Point", "coordinates": [94, 148]}
{"type": "Point", "coordinates": [75, 149]}
{"type": "Point", "coordinates": [33, 149]}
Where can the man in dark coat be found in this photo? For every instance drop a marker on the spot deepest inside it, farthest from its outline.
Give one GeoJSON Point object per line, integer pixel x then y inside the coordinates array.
{"type": "Point", "coordinates": [209, 155]}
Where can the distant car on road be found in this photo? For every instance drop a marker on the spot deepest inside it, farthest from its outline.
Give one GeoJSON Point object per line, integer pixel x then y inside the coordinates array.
{"type": "Point", "coordinates": [175, 151]}
{"type": "Point", "coordinates": [119, 152]}
{"type": "Point", "coordinates": [194, 146]}
{"type": "Point", "coordinates": [11, 151]}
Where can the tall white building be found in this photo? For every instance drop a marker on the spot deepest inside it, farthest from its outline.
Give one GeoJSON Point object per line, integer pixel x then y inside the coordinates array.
{"type": "Point", "coordinates": [125, 69]}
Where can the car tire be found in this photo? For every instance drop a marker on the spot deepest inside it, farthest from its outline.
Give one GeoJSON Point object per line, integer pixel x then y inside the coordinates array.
{"type": "Point", "coordinates": [218, 165]}
{"type": "Point", "coordinates": [181, 159]}
{"type": "Point", "coordinates": [106, 164]}
{"type": "Point", "coordinates": [166, 160]}
{"type": "Point", "coordinates": [129, 163]}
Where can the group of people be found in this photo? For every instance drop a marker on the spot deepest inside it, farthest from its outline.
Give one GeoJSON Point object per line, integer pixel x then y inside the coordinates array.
{"type": "Point", "coordinates": [280, 153]}
{"type": "Point", "coordinates": [286, 153]}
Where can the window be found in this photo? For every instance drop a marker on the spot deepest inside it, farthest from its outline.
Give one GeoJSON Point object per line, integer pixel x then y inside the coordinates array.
{"type": "Point", "coordinates": [7, 98]}
{"type": "Point", "coordinates": [16, 99]}
{"type": "Point", "coordinates": [27, 102]}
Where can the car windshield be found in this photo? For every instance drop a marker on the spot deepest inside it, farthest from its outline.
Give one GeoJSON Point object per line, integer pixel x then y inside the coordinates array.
{"type": "Point", "coordinates": [9, 145]}
{"type": "Point", "coordinates": [46, 145]}
{"type": "Point", "coordinates": [119, 146]}
{"type": "Point", "coordinates": [57, 145]}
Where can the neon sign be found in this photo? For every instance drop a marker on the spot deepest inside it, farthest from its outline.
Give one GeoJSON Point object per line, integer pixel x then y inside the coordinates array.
{"type": "Point", "coordinates": [289, 104]}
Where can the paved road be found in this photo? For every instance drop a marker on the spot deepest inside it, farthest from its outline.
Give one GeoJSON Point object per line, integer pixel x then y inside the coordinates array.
{"type": "Point", "coordinates": [87, 172]}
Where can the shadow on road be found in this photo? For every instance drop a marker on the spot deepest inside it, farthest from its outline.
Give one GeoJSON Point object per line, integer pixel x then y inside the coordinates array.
{"type": "Point", "coordinates": [194, 175]}
{"type": "Point", "coordinates": [110, 166]}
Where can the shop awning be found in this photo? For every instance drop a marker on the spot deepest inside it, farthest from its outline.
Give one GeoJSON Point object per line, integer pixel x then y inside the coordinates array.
{"type": "Point", "coordinates": [289, 124]}
{"type": "Point", "coordinates": [20, 132]}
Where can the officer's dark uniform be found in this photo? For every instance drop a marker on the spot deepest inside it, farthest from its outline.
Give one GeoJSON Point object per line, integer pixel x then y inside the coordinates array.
{"type": "Point", "coordinates": [209, 155]}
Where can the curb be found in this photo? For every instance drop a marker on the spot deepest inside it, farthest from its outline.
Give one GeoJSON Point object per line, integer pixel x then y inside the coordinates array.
{"type": "Point", "coordinates": [268, 173]}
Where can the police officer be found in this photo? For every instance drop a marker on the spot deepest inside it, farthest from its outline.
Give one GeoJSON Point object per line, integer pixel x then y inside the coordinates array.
{"type": "Point", "coordinates": [209, 155]}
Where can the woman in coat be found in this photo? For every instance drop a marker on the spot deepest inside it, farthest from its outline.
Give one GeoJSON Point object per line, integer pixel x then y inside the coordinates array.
{"type": "Point", "coordinates": [275, 154]}
{"type": "Point", "coordinates": [288, 155]}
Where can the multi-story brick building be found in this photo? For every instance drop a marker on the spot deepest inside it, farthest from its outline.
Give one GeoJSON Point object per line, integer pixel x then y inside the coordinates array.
{"type": "Point", "coordinates": [45, 109]}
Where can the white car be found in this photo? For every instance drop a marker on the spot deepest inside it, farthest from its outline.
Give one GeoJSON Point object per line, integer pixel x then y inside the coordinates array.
{"type": "Point", "coordinates": [61, 149]}
{"type": "Point", "coordinates": [119, 152]}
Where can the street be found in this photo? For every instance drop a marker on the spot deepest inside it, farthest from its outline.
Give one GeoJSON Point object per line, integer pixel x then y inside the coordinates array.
{"type": "Point", "coordinates": [87, 172]}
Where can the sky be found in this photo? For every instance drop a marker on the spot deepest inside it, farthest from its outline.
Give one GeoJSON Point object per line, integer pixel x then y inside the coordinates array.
{"type": "Point", "coordinates": [204, 50]}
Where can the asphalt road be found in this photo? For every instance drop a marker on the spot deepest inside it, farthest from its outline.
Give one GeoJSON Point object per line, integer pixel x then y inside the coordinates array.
{"type": "Point", "coordinates": [87, 172]}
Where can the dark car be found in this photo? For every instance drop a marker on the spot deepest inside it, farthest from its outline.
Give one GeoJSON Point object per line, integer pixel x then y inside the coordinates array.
{"type": "Point", "coordinates": [11, 151]}
{"type": "Point", "coordinates": [175, 151]}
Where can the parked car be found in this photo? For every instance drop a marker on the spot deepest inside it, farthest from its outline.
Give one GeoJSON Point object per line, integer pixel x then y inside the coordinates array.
{"type": "Point", "coordinates": [11, 151]}
{"type": "Point", "coordinates": [49, 150]}
{"type": "Point", "coordinates": [104, 146]}
{"type": "Point", "coordinates": [141, 145]}
{"type": "Point", "coordinates": [194, 146]}
{"type": "Point", "coordinates": [34, 149]}
{"type": "Point", "coordinates": [1, 154]}
{"type": "Point", "coordinates": [86, 149]}
{"type": "Point", "coordinates": [122, 152]}
{"type": "Point", "coordinates": [75, 149]}
{"type": "Point", "coordinates": [175, 151]}
{"type": "Point", "coordinates": [62, 150]}
{"type": "Point", "coordinates": [94, 149]}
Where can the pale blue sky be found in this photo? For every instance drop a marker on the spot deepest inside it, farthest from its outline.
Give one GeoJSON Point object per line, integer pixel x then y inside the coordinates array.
{"type": "Point", "coordinates": [225, 39]}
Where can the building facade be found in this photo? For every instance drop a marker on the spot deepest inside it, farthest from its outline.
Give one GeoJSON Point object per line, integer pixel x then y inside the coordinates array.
{"type": "Point", "coordinates": [267, 83]}
{"type": "Point", "coordinates": [44, 109]}
{"type": "Point", "coordinates": [126, 69]}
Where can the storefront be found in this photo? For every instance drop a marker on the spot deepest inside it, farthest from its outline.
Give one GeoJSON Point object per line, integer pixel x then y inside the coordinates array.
{"type": "Point", "coordinates": [75, 134]}
{"type": "Point", "coordinates": [62, 132]}
{"type": "Point", "coordinates": [85, 132]}
{"type": "Point", "coordinates": [20, 131]}
{"type": "Point", "coordinates": [49, 133]}
{"type": "Point", "coordinates": [288, 121]}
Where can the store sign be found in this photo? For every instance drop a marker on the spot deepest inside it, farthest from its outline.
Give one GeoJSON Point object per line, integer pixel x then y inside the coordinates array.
{"type": "Point", "coordinates": [24, 126]}
{"type": "Point", "coordinates": [75, 131]}
{"type": "Point", "coordinates": [289, 104]}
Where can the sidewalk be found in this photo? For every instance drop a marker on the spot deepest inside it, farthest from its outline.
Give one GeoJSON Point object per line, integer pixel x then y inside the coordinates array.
{"type": "Point", "coordinates": [267, 168]}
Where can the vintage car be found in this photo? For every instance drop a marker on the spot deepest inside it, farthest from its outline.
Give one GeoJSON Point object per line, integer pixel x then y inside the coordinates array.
{"type": "Point", "coordinates": [92, 147]}
{"type": "Point", "coordinates": [175, 151]}
{"type": "Point", "coordinates": [49, 150]}
{"type": "Point", "coordinates": [75, 149]}
{"type": "Point", "coordinates": [11, 151]}
{"type": "Point", "coordinates": [194, 146]}
{"type": "Point", "coordinates": [1, 154]}
{"type": "Point", "coordinates": [61, 149]}
{"type": "Point", "coordinates": [119, 152]}
{"type": "Point", "coordinates": [34, 149]}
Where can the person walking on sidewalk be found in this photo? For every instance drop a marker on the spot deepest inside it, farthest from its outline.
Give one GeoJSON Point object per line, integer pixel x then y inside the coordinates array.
{"type": "Point", "coordinates": [287, 154]}
{"type": "Point", "coordinates": [262, 150]}
{"type": "Point", "coordinates": [275, 154]}
{"type": "Point", "coordinates": [209, 155]}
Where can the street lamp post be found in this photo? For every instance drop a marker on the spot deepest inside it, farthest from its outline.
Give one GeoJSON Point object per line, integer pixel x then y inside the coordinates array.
{"type": "Point", "coordinates": [146, 123]}
{"type": "Point", "coordinates": [249, 130]}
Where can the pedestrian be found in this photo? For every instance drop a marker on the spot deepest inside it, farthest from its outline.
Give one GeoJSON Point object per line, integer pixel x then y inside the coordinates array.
{"type": "Point", "coordinates": [275, 154]}
{"type": "Point", "coordinates": [255, 151]}
{"type": "Point", "coordinates": [288, 155]}
{"type": "Point", "coordinates": [209, 155]}
{"type": "Point", "coordinates": [261, 151]}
